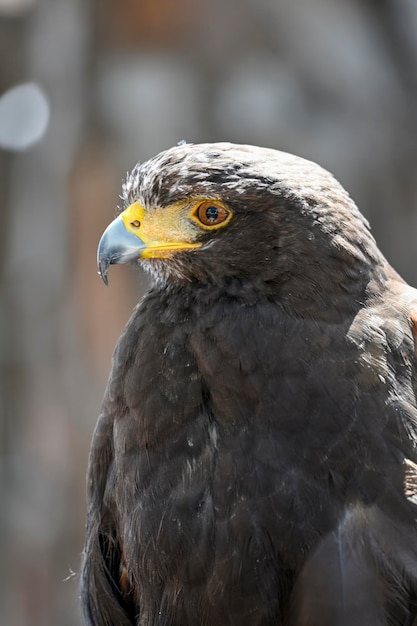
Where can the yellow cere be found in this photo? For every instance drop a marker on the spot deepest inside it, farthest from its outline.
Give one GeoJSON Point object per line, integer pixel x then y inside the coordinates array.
{"type": "Point", "coordinates": [163, 230]}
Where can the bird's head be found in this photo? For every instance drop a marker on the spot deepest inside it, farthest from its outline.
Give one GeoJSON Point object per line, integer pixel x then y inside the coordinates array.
{"type": "Point", "coordinates": [216, 213]}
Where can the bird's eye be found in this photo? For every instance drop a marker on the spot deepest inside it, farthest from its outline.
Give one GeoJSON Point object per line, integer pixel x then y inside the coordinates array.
{"type": "Point", "coordinates": [211, 214]}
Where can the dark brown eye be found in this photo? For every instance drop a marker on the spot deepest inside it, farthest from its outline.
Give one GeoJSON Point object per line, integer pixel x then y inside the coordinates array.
{"type": "Point", "coordinates": [211, 214]}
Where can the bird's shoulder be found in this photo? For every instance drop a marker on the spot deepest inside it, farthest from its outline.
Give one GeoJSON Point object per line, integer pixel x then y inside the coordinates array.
{"type": "Point", "coordinates": [385, 328]}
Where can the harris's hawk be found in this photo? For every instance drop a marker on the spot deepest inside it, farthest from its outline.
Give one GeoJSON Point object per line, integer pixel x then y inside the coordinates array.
{"type": "Point", "coordinates": [254, 462]}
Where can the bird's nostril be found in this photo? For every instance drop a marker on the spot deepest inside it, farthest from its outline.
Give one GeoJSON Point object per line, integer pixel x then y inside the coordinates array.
{"type": "Point", "coordinates": [135, 223]}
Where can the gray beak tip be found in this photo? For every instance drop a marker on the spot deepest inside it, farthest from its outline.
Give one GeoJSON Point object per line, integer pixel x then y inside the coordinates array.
{"type": "Point", "coordinates": [104, 278]}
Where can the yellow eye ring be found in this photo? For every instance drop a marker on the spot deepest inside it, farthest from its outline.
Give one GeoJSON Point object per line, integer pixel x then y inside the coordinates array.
{"type": "Point", "coordinates": [210, 214]}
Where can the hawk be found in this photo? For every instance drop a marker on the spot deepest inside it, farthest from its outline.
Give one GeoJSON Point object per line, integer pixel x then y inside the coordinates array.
{"type": "Point", "coordinates": [255, 458]}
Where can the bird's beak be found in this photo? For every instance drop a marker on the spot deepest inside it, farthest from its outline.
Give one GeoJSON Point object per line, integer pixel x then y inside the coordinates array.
{"type": "Point", "coordinates": [135, 234]}
{"type": "Point", "coordinates": [117, 245]}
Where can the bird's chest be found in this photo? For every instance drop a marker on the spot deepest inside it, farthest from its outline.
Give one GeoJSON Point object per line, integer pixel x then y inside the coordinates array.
{"type": "Point", "coordinates": [211, 450]}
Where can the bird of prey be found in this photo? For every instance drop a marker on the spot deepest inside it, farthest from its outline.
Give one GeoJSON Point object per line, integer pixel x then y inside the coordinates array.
{"type": "Point", "coordinates": [255, 461]}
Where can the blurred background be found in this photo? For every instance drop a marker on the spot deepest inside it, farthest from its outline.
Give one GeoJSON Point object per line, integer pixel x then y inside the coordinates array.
{"type": "Point", "coordinates": [118, 81]}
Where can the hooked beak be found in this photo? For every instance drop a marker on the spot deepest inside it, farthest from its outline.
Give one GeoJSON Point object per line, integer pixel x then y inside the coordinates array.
{"type": "Point", "coordinates": [135, 234]}
{"type": "Point", "coordinates": [117, 245]}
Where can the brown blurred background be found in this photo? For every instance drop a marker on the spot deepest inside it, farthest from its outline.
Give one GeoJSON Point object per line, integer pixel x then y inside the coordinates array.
{"type": "Point", "coordinates": [334, 81]}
